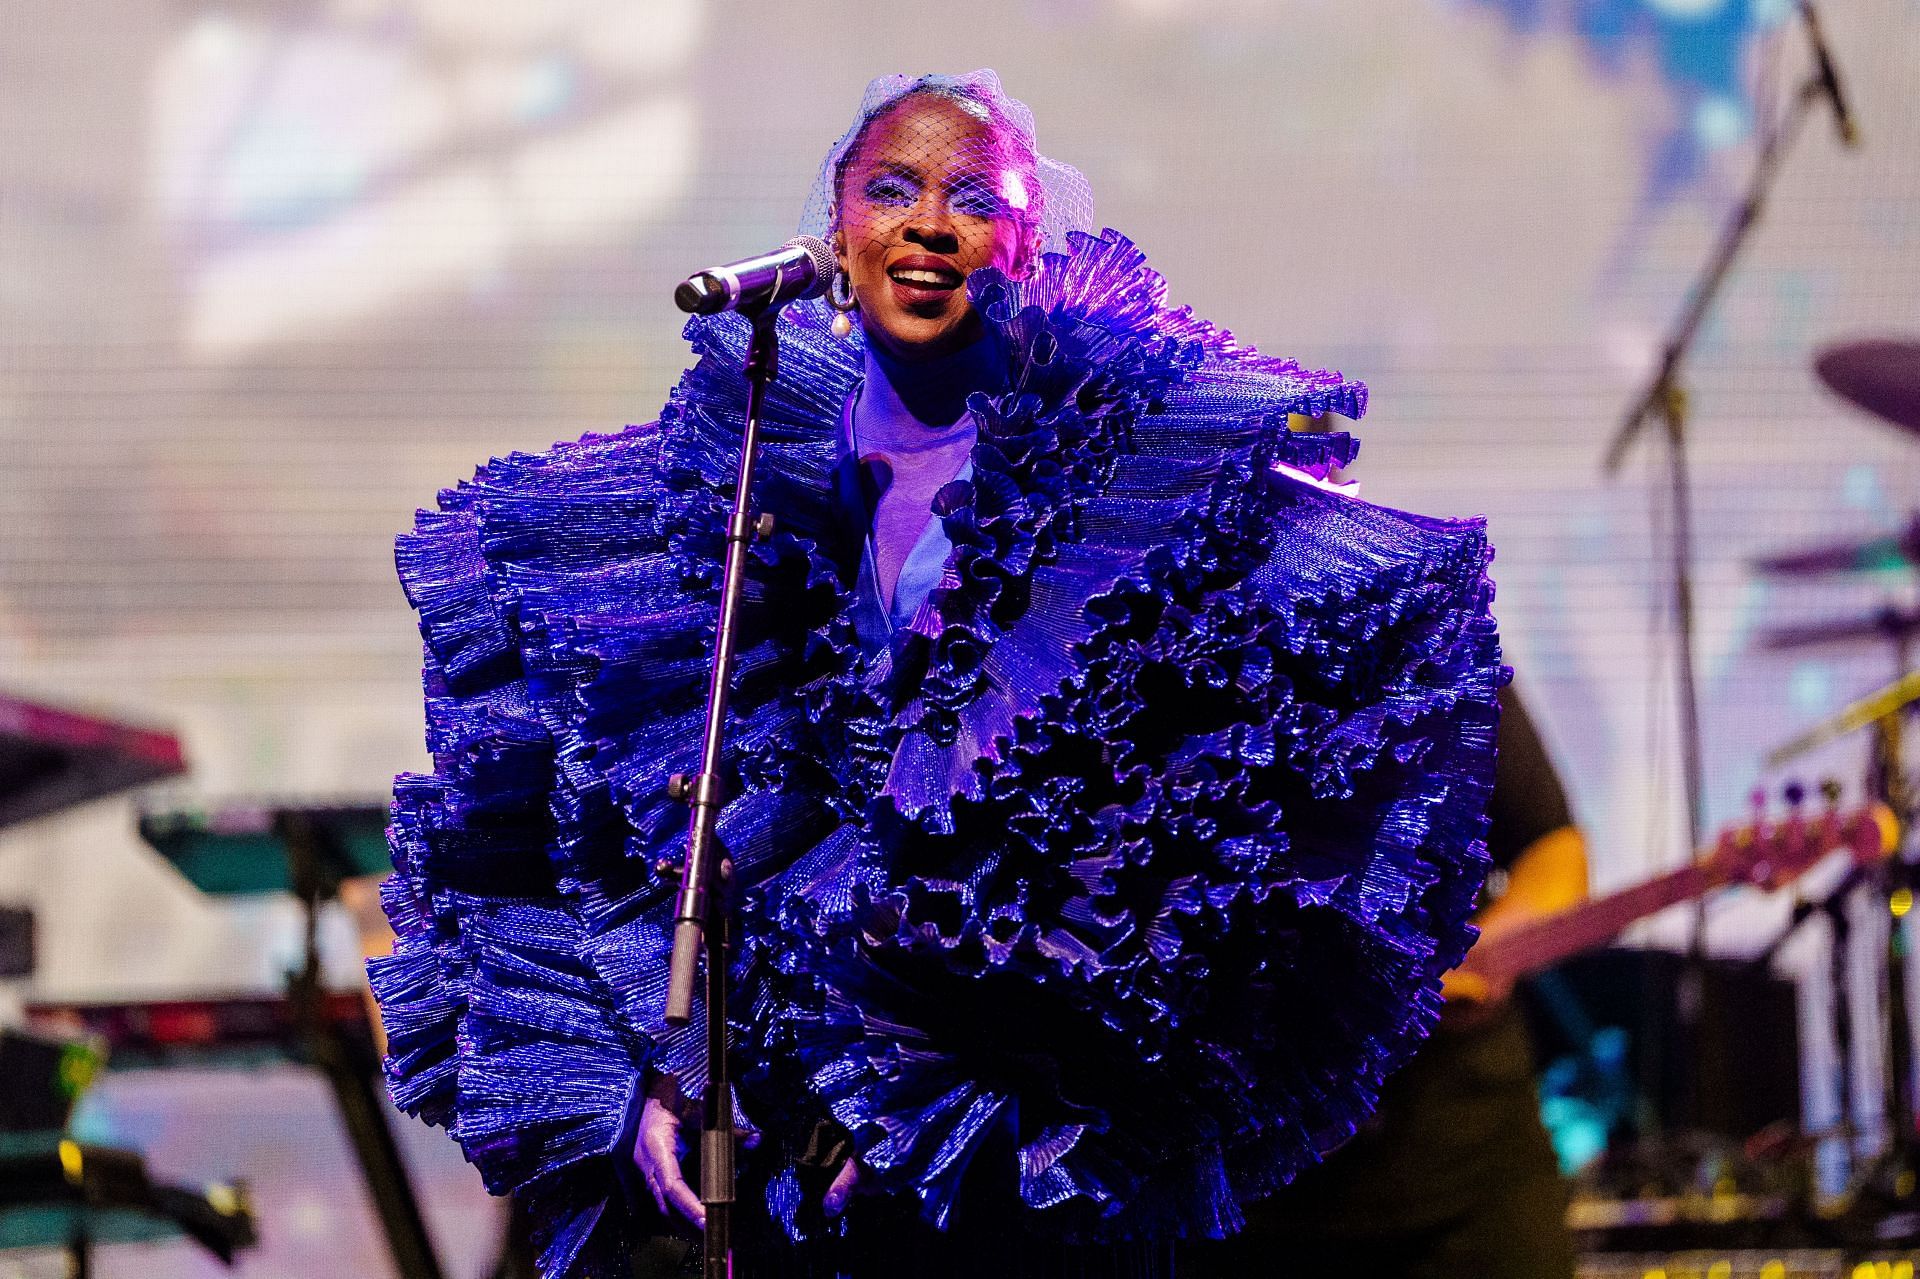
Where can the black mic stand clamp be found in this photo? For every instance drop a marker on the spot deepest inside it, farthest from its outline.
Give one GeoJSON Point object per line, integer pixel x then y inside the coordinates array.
{"type": "Point", "coordinates": [701, 910]}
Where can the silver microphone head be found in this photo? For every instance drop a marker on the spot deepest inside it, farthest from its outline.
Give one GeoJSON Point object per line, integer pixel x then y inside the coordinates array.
{"type": "Point", "coordinates": [825, 264]}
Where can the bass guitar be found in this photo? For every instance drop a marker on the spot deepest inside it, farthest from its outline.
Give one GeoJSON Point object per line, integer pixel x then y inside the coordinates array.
{"type": "Point", "coordinates": [1767, 853]}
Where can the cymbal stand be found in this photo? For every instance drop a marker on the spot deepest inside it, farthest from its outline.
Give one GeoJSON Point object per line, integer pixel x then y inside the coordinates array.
{"type": "Point", "coordinates": [1836, 904]}
{"type": "Point", "coordinates": [1887, 1191]}
{"type": "Point", "coordinates": [1890, 1186]}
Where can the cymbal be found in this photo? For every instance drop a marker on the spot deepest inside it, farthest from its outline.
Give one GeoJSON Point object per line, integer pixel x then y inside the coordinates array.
{"type": "Point", "coordinates": [1880, 375]}
{"type": "Point", "coordinates": [1883, 624]}
{"type": "Point", "coordinates": [1877, 554]}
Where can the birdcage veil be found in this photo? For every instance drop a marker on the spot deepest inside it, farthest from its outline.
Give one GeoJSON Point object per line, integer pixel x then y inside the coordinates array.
{"type": "Point", "coordinates": [1055, 197]}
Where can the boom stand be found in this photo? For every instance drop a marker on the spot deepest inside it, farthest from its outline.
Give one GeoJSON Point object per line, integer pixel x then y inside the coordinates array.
{"type": "Point", "coordinates": [700, 916]}
{"type": "Point", "coordinates": [1666, 398]}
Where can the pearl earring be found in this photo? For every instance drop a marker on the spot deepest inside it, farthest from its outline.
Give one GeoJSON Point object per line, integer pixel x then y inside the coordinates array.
{"type": "Point", "coordinates": [843, 308]}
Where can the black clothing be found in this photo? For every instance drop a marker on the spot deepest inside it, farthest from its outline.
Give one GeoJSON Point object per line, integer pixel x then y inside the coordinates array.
{"type": "Point", "coordinates": [1454, 1177]}
{"type": "Point", "coordinates": [1528, 801]}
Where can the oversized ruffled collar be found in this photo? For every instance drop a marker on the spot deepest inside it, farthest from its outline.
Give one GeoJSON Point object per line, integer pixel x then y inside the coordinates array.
{"type": "Point", "coordinates": [1116, 402]}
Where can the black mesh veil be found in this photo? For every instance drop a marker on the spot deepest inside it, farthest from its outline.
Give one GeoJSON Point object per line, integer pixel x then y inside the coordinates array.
{"type": "Point", "coordinates": [956, 145]}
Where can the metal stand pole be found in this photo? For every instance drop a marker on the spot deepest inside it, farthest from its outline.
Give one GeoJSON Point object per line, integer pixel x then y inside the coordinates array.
{"type": "Point", "coordinates": [700, 916]}
{"type": "Point", "coordinates": [1890, 1190]}
{"type": "Point", "coordinates": [80, 1252]}
{"type": "Point", "coordinates": [1895, 792]}
{"type": "Point", "coordinates": [1666, 398]}
{"type": "Point", "coordinates": [1840, 963]}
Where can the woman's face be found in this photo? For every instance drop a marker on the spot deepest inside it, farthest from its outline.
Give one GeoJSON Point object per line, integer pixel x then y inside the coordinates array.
{"type": "Point", "coordinates": [933, 194]}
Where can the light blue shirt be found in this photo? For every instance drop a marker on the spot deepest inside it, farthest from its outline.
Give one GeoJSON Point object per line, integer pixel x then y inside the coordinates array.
{"type": "Point", "coordinates": [906, 415]}
{"type": "Point", "coordinates": [876, 622]}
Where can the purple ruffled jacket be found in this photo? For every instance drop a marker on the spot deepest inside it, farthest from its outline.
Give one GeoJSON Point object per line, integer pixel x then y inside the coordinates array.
{"type": "Point", "coordinates": [1113, 894]}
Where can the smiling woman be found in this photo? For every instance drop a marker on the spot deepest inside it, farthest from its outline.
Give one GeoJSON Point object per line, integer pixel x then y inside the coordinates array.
{"type": "Point", "coordinates": [930, 190]}
{"type": "Point", "coordinates": [1106, 790]}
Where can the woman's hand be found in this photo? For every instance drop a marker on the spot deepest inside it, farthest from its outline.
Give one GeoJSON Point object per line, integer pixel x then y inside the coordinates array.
{"type": "Point", "coordinates": [657, 1149]}
{"type": "Point", "coordinates": [658, 1146]}
{"type": "Point", "coordinates": [846, 1184]}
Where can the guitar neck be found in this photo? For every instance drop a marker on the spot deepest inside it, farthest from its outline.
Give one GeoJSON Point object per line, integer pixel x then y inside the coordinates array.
{"type": "Point", "coordinates": [1763, 853]}
{"type": "Point", "coordinates": [1545, 942]}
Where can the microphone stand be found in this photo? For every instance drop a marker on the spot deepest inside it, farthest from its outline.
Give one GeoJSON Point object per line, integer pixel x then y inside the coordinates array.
{"type": "Point", "coordinates": [701, 911]}
{"type": "Point", "coordinates": [1665, 398]}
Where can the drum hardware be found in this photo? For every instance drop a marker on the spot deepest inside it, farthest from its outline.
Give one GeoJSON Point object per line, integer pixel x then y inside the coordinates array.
{"type": "Point", "coordinates": [1892, 553]}
{"type": "Point", "coordinates": [1880, 375]}
{"type": "Point", "coordinates": [1897, 626]}
{"type": "Point", "coordinates": [1883, 1202]}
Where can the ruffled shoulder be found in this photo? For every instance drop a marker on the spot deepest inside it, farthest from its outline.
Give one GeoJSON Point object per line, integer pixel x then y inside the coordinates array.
{"type": "Point", "coordinates": [1127, 421]}
{"type": "Point", "coordinates": [495, 1027]}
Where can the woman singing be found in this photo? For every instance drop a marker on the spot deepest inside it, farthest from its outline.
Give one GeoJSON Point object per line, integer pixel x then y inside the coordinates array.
{"type": "Point", "coordinates": [1107, 789]}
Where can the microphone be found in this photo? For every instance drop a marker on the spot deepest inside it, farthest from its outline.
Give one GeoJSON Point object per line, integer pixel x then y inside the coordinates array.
{"type": "Point", "coordinates": [1829, 77]}
{"type": "Point", "coordinates": [800, 268]}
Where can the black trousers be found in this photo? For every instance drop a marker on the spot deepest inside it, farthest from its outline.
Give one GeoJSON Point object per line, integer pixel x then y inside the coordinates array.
{"type": "Point", "coordinates": [1454, 1179]}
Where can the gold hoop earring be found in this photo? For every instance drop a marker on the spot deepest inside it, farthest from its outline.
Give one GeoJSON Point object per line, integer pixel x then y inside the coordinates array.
{"type": "Point", "coordinates": [842, 323]}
